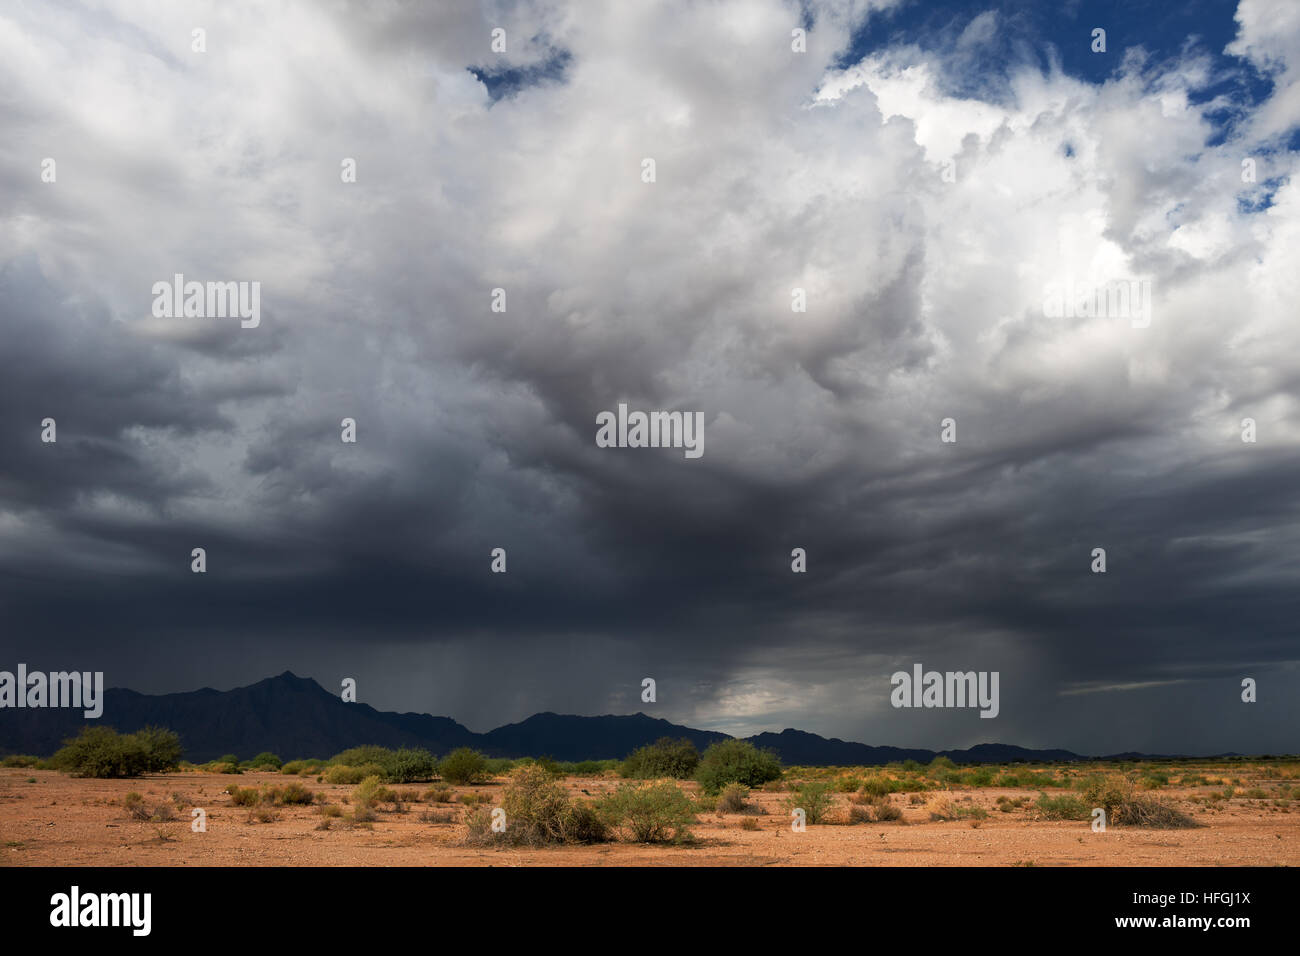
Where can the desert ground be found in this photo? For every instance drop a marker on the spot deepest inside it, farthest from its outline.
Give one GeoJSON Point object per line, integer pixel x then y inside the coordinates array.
{"type": "Point", "coordinates": [1247, 816]}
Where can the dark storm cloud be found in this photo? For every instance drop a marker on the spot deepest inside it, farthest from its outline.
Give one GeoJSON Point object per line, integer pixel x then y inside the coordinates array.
{"type": "Point", "coordinates": [476, 428]}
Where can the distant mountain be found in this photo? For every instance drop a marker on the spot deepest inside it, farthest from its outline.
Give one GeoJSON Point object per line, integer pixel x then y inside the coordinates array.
{"type": "Point", "coordinates": [800, 747]}
{"type": "Point", "coordinates": [567, 737]}
{"type": "Point", "coordinates": [296, 717]}
{"type": "Point", "coordinates": [287, 715]}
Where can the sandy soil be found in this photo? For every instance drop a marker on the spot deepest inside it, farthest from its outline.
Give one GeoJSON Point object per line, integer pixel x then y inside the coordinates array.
{"type": "Point", "coordinates": [59, 820]}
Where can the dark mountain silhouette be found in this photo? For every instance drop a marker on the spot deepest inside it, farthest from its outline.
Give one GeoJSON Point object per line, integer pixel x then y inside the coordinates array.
{"type": "Point", "coordinates": [296, 717]}
{"type": "Point", "coordinates": [566, 737]}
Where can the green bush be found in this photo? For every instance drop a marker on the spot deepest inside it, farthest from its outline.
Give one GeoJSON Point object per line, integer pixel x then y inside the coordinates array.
{"type": "Point", "coordinates": [1064, 807]}
{"type": "Point", "coordinates": [19, 760]}
{"type": "Point", "coordinates": [360, 756]}
{"type": "Point", "coordinates": [244, 796]}
{"type": "Point", "coordinates": [877, 787]}
{"type": "Point", "coordinates": [290, 794]}
{"type": "Point", "coordinates": [464, 765]}
{"type": "Point", "coordinates": [103, 752]}
{"type": "Point", "coordinates": [649, 812]}
{"type": "Point", "coordinates": [372, 791]}
{"type": "Point", "coordinates": [814, 798]}
{"type": "Point", "coordinates": [267, 760]}
{"type": "Point", "coordinates": [410, 765]}
{"type": "Point", "coordinates": [587, 768]}
{"type": "Point", "coordinates": [663, 758]}
{"type": "Point", "coordinates": [340, 773]}
{"type": "Point", "coordinates": [736, 761]}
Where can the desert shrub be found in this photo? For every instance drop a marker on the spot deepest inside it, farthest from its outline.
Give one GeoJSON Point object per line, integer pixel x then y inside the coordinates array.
{"type": "Point", "coordinates": [882, 811]}
{"type": "Point", "coordinates": [1114, 794]}
{"type": "Point", "coordinates": [663, 758]}
{"type": "Point", "coordinates": [343, 774]}
{"type": "Point", "coordinates": [162, 749]}
{"type": "Point", "coordinates": [303, 767]}
{"type": "Point", "coordinates": [266, 760]}
{"type": "Point", "coordinates": [438, 816]}
{"type": "Point", "coordinates": [19, 760]}
{"type": "Point", "coordinates": [372, 791]}
{"type": "Point", "coordinates": [410, 765]}
{"type": "Point", "coordinates": [360, 756]}
{"type": "Point", "coordinates": [133, 804]}
{"type": "Point", "coordinates": [649, 812]}
{"type": "Point", "coordinates": [736, 761]}
{"type": "Point", "coordinates": [588, 768]}
{"type": "Point", "coordinates": [103, 752]}
{"type": "Point", "coordinates": [538, 812]}
{"type": "Point", "coordinates": [260, 814]}
{"type": "Point", "coordinates": [941, 763]}
{"type": "Point", "coordinates": [331, 810]}
{"type": "Point", "coordinates": [733, 798]}
{"type": "Point", "coordinates": [1064, 807]}
{"type": "Point", "coordinates": [137, 810]}
{"type": "Point", "coordinates": [814, 798]}
{"type": "Point", "coordinates": [981, 777]}
{"type": "Point", "coordinates": [547, 763]}
{"type": "Point", "coordinates": [291, 794]}
{"type": "Point", "coordinates": [1009, 804]}
{"type": "Point", "coordinates": [874, 787]}
{"type": "Point", "coordinates": [464, 765]}
{"type": "Point", "coordinates": [439, 795]}
{"type": "Point", "coordinates": [941, 809]}
{"type": "Point", "coordinates": [859, 814]}
{"type": "Point", "coordinates": [749, 823]}
{"type": "Point", "coordinates": [498, 766]}
{"type": "Point", "coordinates": [244, 796]}
{"type": "Point", "coordinates": [1153, 781]}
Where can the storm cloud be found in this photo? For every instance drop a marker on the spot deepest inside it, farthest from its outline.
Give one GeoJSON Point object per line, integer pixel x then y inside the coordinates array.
{"type": "Point", "coordinates": [925, 214]}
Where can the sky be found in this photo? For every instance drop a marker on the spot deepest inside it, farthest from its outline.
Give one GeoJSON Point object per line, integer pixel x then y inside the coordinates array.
{"type": "Point", "coordinates": [929, 175]}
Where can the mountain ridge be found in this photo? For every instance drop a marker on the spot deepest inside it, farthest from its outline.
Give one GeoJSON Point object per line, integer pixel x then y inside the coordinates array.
{"type": "Point", "coordinates": [296, 717]}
